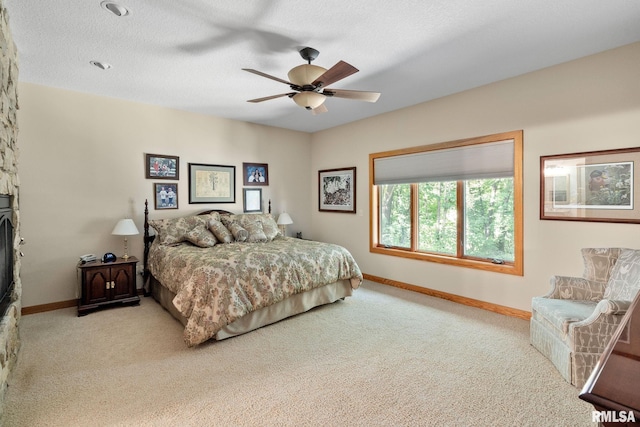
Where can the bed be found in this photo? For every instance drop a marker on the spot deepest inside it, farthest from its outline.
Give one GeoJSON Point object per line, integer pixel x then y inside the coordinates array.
{"type": "Point", "coordinates": [223, 274]}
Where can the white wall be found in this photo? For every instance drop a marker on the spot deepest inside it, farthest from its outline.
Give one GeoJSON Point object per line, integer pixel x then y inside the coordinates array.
{"type": "Point", "coordinates": [589, 104]}
{"type": "Point", "coordinates": [81, 168]}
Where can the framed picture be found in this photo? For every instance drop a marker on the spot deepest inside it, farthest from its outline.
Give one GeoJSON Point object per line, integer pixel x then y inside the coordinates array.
{"type": "Point", "coordinates": [591, 186]}
{"type": "Point", "coordinates": [337, 190]}
{"type": "Point", "coordinates": [252, 199]}
{"type": "Point", "coordinates": [212, 183]}
{"type": "Point", "coordinates": [165, 195]}
{"type": "Point", "coordinates": [158, 166]}
{"type": "Point", "coordinates": [255, 173]}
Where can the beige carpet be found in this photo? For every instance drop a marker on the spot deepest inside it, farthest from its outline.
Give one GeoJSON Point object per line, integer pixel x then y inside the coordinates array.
{"type": "Point", "coordinates": [384, 357]}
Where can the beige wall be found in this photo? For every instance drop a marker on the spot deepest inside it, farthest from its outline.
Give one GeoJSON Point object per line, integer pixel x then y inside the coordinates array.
{"type": "Point", "coordinates": [588, 104]}
{"type": "Point", "coordinates": [82, 169]}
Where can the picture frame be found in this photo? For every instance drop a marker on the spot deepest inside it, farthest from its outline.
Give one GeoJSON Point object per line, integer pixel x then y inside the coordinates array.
{"type": "Point", "coordinates": [337, 190]}
{"type": "Point", "coordinates": [165, 195]}
{"type": "Point", "coordinates": [252, 200]}
{"type": "Point", "coordinates": [598, 186]}
{"type": "Point", "coordinates": [212, 183]}
{"type": "Point", "coordinates": [255, 174]}
{"type": "Point", "coordinates": [160, 166]}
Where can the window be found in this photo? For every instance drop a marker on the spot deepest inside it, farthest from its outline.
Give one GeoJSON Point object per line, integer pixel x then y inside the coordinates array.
{"type": "Point", "coordinates": [456, 202]}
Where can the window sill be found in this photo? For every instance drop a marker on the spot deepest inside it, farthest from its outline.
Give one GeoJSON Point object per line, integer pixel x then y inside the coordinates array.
{"type": "Point", "coordinates": [506, 268]}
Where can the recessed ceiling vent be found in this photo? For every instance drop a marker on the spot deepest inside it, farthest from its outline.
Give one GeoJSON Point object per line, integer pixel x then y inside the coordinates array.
{"type": "Point", "coordinates": [115, 8]}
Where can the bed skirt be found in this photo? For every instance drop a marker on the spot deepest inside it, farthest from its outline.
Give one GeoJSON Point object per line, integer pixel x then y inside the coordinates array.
{"type": "Point", "coordinates": [295, 304]}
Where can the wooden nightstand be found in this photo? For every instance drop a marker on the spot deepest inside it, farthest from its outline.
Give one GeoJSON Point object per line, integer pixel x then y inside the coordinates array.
{"type": "Point", "coordinates": [105, 284]}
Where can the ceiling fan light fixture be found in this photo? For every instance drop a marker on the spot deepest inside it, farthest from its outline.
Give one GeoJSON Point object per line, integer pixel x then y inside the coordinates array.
{"type": "Point", "coordinates": [305, 74]}
{"type": "Point", "coordinates": [310, 84]}
{"type": "Point", "coordinates": [309, 100]}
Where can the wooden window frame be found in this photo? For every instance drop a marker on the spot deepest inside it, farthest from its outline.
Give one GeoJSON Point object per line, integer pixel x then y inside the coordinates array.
{"type": "Point", "coordinates": [516, 267]}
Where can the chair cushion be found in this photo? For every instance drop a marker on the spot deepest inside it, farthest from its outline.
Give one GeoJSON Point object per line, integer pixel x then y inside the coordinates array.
{"type": "Point", "coordinates": [561, 312]}
{"type": "Point", "coordinates": [625, 277]}
{"type": "Point", "coordinates": [599, 262]}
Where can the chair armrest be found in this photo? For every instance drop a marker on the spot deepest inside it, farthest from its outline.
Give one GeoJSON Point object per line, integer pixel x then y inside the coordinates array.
{"type": "Point", "coordinates": [575, 288]}
{"type": "Point", "coordinates": [606, 311]}
{"type": "Point", "coordinates": [611, 306]}
{"type": "Point", "coordinates": [593, 333]}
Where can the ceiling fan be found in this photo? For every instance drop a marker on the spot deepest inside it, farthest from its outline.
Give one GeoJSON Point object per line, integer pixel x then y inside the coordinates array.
{"type": "Point", "coordinates": [309, 83]}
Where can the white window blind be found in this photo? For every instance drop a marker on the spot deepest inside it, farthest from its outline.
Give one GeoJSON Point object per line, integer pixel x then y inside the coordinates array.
{"type": "Point", "coordinates": [479, 161]}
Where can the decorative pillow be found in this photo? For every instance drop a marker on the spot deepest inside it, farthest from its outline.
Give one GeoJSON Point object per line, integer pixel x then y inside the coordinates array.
{"type": "Point", "coordinates": [212, 215]}
{"type": "Point", "coordinates": [598, 263]}
{"type": "Point", "coordinates": [201, 237]}
{"type": "Point", "coordinates": [625, 277]}
{"type": "Point", "coordinates": [256, 233]}
{"type": "Point", "coordinates": [220, 231]}
{"type": "Point", "coordinates": [269, 226]}
{"type": "Point", "coordinates": [239, 233]}
{"type": "Point", "coordinates": [254, 228]}
{"type": "Point", "coordinates": [174, 230]}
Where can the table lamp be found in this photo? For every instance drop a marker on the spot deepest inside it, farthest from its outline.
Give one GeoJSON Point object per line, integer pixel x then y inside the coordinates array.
{"type": "Point", "coordinates": [125, 227]}
{"type": "Point", "coordinates": [283, 220]}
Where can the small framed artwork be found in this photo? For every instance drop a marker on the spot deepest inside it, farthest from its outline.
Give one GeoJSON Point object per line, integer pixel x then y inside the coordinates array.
{"type": "Point", "coordinates": [158, 166]}
{"type": "Point", "coordinates": [212, 183]}
{"type": "Point", "coordinates": [255, 173]}
{"type": "Point", "coordinates": [252, 199]}
{"type": "Point", "coordinates": [165, 195]}
{"type": "Point", "coordinates": [337, 190]}
{"type": "Point", "coordinates": [598, 186]}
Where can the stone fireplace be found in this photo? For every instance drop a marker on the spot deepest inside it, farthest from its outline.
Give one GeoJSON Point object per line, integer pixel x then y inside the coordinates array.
{"type": "Point", "coordinates": [9, 183]}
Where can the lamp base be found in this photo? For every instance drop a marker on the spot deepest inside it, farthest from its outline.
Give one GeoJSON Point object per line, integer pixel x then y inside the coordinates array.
{"type": "Point", "coordinates": [126, 255]}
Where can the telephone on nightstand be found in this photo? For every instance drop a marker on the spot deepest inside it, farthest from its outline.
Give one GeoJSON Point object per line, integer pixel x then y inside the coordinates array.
{"type": "Point", "coordinates": [87, 257]}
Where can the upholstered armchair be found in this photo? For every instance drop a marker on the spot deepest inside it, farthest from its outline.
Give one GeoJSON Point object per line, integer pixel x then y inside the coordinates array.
{"type": "Point", "coordinates": [573, 323]}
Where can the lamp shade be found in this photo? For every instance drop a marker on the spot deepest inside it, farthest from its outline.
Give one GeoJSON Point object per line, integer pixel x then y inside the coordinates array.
{"type": "Point", "coordinates": [308, 99]}
{"type": "Point", "coordinates": [284, 219]}
{"type": "Point", "coordinates": [125, 227]}
{"type": "Point", "coordinates": [305, 74]}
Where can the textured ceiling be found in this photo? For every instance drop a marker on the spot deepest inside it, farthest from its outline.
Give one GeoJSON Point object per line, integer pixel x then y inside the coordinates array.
{"type": "Point", "coordinates": [188, 54]}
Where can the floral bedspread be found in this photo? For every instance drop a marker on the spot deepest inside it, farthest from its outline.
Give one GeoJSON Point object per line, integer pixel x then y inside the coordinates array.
{"type": "Point", "coordinates": [215, 286]}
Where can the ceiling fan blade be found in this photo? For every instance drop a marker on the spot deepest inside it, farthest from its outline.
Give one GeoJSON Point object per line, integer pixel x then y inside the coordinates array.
{"type": "Point", "coordinates": [358, 95]}
{"type": "Point", "coordinates": [319, 110]}
{"type": "Point", "coordinates": [335, 73]}
{"type": "Point", "coordinates": [260, 73]}
{"type": "Point", "coordinates": [266, 98]}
